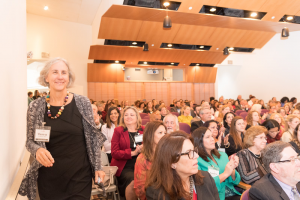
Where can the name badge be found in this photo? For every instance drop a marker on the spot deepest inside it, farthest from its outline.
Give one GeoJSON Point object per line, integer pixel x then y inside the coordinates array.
{"type": "Point", "coordinates": [42, 133]}
{"type": "Point", "coordinates": [213, 171]}
{"type": "Point", "coordinates": [222, 150]}
{"type": "Point", "coordinates": [138, 138]}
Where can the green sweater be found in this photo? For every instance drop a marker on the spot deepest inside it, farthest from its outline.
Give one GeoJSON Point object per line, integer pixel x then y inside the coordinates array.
{"type": "Point", "coordinates": [222, 161]}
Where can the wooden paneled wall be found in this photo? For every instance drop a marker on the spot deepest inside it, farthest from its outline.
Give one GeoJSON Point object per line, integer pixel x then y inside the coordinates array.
{"type": "Point", "coordinates": [150, 90]}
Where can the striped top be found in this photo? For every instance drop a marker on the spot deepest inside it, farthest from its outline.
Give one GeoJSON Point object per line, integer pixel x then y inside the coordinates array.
{"type": "Point", "coordinates": [250, 167]}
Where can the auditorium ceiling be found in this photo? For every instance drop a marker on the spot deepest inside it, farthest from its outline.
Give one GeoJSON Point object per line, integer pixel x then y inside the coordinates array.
{"type": "Point", "coordinates": [189, 27]}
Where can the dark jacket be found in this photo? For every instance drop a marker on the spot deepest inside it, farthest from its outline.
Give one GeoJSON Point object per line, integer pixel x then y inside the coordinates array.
{"type": "Point", "coordinates": [196, 125]}
{"type": "Point", "coordinates": [207, 191]}
{"type": "Point", "coordinates": [295, 147]}
{"type": "Point", "coordinates": [267, 188]}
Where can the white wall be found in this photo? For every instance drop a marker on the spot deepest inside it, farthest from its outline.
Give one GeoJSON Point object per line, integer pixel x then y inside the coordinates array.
{"type": "Point", "coordinates": [61, 39]}
{"type": "Point", "coordinates": [271, 71]}
{"type": "Point", "coordinates": [13, 99]}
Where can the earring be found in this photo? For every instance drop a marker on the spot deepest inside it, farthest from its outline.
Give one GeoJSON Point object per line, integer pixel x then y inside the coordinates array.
{"type": "Point", "coordinates": [173, 166]}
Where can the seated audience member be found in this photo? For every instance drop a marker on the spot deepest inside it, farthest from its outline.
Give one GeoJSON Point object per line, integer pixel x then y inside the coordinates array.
{"type": "Point", "coordinates": [225, 109]}
{"type": "Point", "coordinates": [287, 109]}
{"type": "Point", "coordinates": [104, 112]}
{"type": "Point", "coordinates": [256, 107]}
{"type": "Point", "coordinates": [217, 164]}
{"type": "Point", "coordinates": [141, 107]}
{"type": "Point", "coordinates": [262, 103]}
{"type": "Point", "coordinates": [221, 100]}
{"type": "Point", "coordinates": [177, 107]}
{"type": "Point", "coordinates": [155, 116]}
{"type": "Point", "coordinates": [280, 120]}
{"type": "Point", "coordinates": [136, 104]}
{"type": "Point", "coordinates": [30, 99]}
{"type": "Point", "coordinates": [100, 106]}
{"type": "Point", "coordinates": [273, 128]}
{"type": "Point", "coordinates": [274, 99]}
{"type": "Point", "coordinates": [126, 104]}
{"type": "Point", "coordinates": [295, 142]}
{"type": "Point", "coordinates": [236, 136]}
{"type": "Point", "coordinates": [153, 132]}
{"type": "Point", "coordinates": [197, 114]}
{"type": "Point", "coordinates": [218, 110]}
{"type": "Point", "coordinates": [252, 119]}
{"type": "Point", "coordinates": [251, 167]}
{"type": "Point", "coordinates": [282, 112]}
{"type": "Point", "coordinates": [296, 112]}
{"type": "Point", "coordinates": [251, 101]}
{"type": "Point", "coordinates": [174, 103]}
{"type": "Point", "coordinates": [292, 122]}
{"type": "Point", "coordinates": [284, 100]}
{"type": "Point", "coordinates": [126, 144]}
{"type": "Point", "coordinates": [244, 105]}
{"type": "Point", "coordinates": [163, 112]}
{"type": "Point", "coordinates": [185, 115]}
{"type": "Point", "coordinates": [112, 121]}
{"type": "Point", "coordinates": [205, 115]}
{"type": "Point", "coordinates": [171, 122]}
{"type": "Point", "coordinates": [97, 119]}
{"type": "Point", "coordinates": [122, 105]}
{"type": "Point", "coordinates": [154, 102]}
{"type": "Point", "coordinates": [217, 134]}
{"type": "Point", "coordinates": [149, 108]}
{"type": "Point", "coordinates": [191, 104]}
{"type": "Point", "coordinates": [271, 111]}
{"type": "Point", "coordinates": [227, 121]}
{"type": "Point", "coordinates": [235, 105]}
{"type": "Point", "coordinates": [37, 95]}
{"type": "Point", "coordinates": [282, 181]}
{"type": "Point", "coordinates": [293, 101]}
{"type": "Point", "coordinates": [174, 172]}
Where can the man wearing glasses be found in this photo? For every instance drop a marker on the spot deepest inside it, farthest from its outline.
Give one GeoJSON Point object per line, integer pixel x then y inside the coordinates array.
{"type": "Point", "coordinates": [282, 181]}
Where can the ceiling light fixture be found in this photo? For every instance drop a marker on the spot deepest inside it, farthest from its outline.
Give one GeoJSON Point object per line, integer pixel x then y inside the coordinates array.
{"type": "Point", "coordinates": [197, 64]}
{"type": "Point", "coordinates": [116, 61]}
{"type": "Point", "coordinates": [145, 63]}
{"type": "Point", "coordinates": [167, 20]}
{"type": "Point", "coordinates": [190, 8]}
{"type": "Point", "coordinates": [231, 48]}
{"type": "Point", "coordinates": [285, 32]}
{"type": "Point", "coordinates": [289, 18]}
{"type": "Point", "coordinates": [226, 52]}
{"type": "Point", "coordinates": [212, 9]}
{"type": "Point", "coordinates": [134, 43]}
{"type": "Point", "coordinates": [254, 14]}
{"type": "Point", "coordinates": [145, 47]}
{"type": "Point", "coordinates": [46, 8]}
{"type": "Point", "coordinates": [172, 63]}
{"type": "Point", "coordinates": [201, 47]}
{"type": "Point", "coordinates": [169, 45]}
{"type": "Point", "coordinates": [166, 4]}
{"type": "Point", "coordinates": [273, 17]}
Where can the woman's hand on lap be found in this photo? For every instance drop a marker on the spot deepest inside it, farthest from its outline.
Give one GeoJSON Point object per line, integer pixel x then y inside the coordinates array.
{"type": "Point", "coordinates": [44, 157]}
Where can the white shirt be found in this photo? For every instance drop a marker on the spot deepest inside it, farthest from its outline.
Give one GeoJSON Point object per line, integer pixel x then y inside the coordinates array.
{"type": "Point", "coordinates": [250, 103]}
{"type": "Point", "coordinates": [287, 189]}
{"type": "Point", "coordinates": [108, 132]}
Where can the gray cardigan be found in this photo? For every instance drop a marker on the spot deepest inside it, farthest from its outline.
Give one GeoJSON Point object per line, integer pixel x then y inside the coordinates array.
{"type": "Point", "coordinates": [35, 116]}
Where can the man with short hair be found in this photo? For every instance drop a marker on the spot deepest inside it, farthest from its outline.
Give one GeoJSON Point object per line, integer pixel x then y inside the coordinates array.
{"type": "Point", "coordinates": [205, 115]}
{"type": "Point", "coordinates": [100, 106]}
{"type": "Point", "coordinates": [30, 99]}
{"type": "Point", "coordinates": [282, 181]}
{"type": "Point", "coordinates": [197, 114]}
{"type": "Point", "coordinates": [177, 107]}
{"type": "Point", "coordinates": [171, 122]}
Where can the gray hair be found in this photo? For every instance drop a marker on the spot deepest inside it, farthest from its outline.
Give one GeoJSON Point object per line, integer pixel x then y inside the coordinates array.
{"type": "Point", "coordinates": [175, 118]}
{"type": "Point", "coordinates": [256, 107]}
{"type": "Point", "coordinates": [45, 71]}
{"type": "Point", "coordinates": [272, 153]}
{"type": "Point", "coordinates": [203, 108]}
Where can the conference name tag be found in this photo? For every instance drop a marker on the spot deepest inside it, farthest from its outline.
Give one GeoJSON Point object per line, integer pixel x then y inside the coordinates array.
{"type": "Point", "coordinates": [213, 171]}
{"type": "Point", "coordinates": [138, 138]}
{"type": "Point", "coordinates": [42, 133]}
{"type": "Point", "coordinates": [221, 150]}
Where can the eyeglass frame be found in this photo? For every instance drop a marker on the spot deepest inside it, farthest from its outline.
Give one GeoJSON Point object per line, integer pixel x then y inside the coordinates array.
{"type": "Point", "coordinates": [290, 160]}
{"type": "Point", "coordinates": [188, 153]}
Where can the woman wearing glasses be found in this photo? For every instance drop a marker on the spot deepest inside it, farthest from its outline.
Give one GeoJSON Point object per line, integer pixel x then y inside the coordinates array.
{"type": "Point", "coordinates": [273, 128]}
{"type": "Point", "coordinates": [174, 173]}
{"type": "Point", "coordinates": [251, 167]}
{"type": "Point", "coordinates": [296, 139]}
{"type": "Point", "coordinates": [217, 164]}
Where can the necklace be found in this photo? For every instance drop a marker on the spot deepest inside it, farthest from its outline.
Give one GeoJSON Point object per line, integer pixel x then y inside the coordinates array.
{"type": "Point", "coordinates": [191, 187]}
{"type": "Point", "coordinates": [60, 110]}
{"type": "Point", "coordinates": [257, 156]}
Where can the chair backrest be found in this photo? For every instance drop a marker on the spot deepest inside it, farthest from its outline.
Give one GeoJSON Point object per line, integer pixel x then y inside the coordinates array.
{"type": "Point", "coordinates": [185, 127]}
{"type": "Point", "coordinates": [263, 111]}
{"type": "Point", "coordinates": [245, 195]}
{"type": "Point", "coordinates": [175, 113]}
{"type": "Point", "coordinates": [169, 108]}
{"type": "Point", "coordinates": [146, 117]}
{"type": "Point", "coordinates": [104, 159]}
{"type": "Point", "coordinates": [244, 115]}
{"type": "Point", "coordinates": [143, 115]}
{"type": "Point", "coordinates": [238, 112]}
{"type": "Point", "coordinates": [145, 121]}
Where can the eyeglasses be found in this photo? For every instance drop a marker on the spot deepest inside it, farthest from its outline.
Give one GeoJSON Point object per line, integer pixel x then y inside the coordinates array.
{"type": "Point", "coordinates": [292, 160]}
{"type": "Point", "coordinates": [191, 153]}
{"type": "Point", "coordinates": [262, 138]}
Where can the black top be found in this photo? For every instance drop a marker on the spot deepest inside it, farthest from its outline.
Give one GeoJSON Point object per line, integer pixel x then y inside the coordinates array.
{"type": "Point", "coordinates": [233, 148]}
{"type": "Point", "coordinates": [71, 171]}
{"type": "Point", "coordinates": [131, 162]}
{"type": "Point", "coordinates": [295, 147]}
{"type": "Point", "coordinates": [196, 124]}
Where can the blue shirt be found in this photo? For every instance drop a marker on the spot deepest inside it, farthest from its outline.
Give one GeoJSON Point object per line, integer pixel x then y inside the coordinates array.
{"type": "Point", "coordinates": [286, 188]}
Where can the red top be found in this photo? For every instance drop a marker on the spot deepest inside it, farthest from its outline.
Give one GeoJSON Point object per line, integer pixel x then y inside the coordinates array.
{"type": "Point", "coordinates": [194, 195]}
{"type": "Point", "coordinates": [104, 116]}
{"type": "Point", "coordinates": [142, 166]}
{"type": "Point", "coordinates": [120, 148]}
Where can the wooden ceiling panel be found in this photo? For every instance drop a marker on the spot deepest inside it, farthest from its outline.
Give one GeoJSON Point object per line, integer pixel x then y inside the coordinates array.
{"type": "Point", "coordinates": [225, 36]}
{"type": "Point", "coordinates": [118, 29]}
{"type": "Point", "coordinates": [254, 39]}
{"type": "Point", "coordinates": [191, 34]}
{"type": "Point", "coordinates": [154, 33]}
{"type": "Point", "coordinates": [253, 5]}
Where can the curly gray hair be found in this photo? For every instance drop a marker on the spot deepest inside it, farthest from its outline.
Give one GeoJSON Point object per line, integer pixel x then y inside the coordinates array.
{"type": "Point", "coordinates": [45, 71]}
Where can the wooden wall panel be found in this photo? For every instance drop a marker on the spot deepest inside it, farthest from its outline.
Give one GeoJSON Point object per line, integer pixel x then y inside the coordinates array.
{"type": "Point", "coordinates": [105, 73]}
{"type": "Point", "coordinates": [159, 91]}
{"type": "Point", "coordinates": [205, 74]}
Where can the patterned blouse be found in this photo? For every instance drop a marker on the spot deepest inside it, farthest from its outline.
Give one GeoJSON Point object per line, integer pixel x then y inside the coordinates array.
{"type": "Point", "coordinates": [35, 116]}
{"type": "Point", "coordinates": [142, 166]}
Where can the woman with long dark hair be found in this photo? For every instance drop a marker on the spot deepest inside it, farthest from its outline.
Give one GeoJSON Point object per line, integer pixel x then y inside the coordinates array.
{"type": "Point", "coordinates": [236, 136]}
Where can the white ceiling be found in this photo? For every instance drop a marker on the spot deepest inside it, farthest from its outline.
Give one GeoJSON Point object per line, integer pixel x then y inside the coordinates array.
{"type": "Point", "coordinates": [80, 11]}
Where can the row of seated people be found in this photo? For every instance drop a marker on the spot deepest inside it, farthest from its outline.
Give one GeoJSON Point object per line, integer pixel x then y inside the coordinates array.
{"type": "Point", "coordinates": [208, 140]}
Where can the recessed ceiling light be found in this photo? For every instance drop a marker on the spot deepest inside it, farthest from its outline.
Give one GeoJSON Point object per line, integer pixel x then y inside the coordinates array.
{"type": "Point", "coordinates": [46, 8]}
{"type": "Point", "coordinates": [134, 43]}
{"type": "Point", "coordinates": [217, 48]}
{"type": "Point", "coordinates": [145, 63]}
{"type": "Point", "coordinates": [231, 48]}
{"type": "Point", "coordinates": [169, 45]}
{"type": "Point", "coordinates": [172, 63]}
{"type": "Point", "coordinates": [116, 61]}
{"type": "Point", "coordinates": [212, 9]}
{"type": "Point", "coordinates": [153, 45]}
{"type": "Point", "coordinates": [166, 4]}
{"type": "Point", "coordinates": [273, 17]}
{"type": "Point", "coordinates": [290, 18]}
{"type": "Point", "coordinates": [201, 47]}
{"type": "Point", "coordinates": [197, 64]}
{"type": "Point", "coordinates": [183, 64]}
{"type": "Point", "coordinates": [190, 8]}
{"type": "Point", "coordinates": [254, 14]}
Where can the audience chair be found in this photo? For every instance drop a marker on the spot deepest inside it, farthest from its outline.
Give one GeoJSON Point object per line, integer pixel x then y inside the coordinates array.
{"type": "Point", "coordinates": [145, 121]}
{"type": "Point", "coordinates": [112, 188]}
{"type": "Point", "coordinates": [238, 112]}
{"type": "Point", "coordinates": [263, 111]}
{"type": "Point", "coordinates": [143, 115]}
{"type": "Point", "coordinates": [244, 115]}
{"type": "Point", "coordinates": [245, 195]}
{"type": "Point", "coordinates": [168, 108]}
{"type": "Point", "coordinates": [185, 127]}
{"type": "Point", "coordinates": [175, 113]}
{"type": "Point", "coordinates": [147, 117]}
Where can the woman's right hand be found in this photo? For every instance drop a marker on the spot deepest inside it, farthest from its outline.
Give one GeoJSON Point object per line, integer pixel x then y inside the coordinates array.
{"type": "Point", "coordinates": [44, 157]}
{"type": "Point", "coordinates": [229, 168]}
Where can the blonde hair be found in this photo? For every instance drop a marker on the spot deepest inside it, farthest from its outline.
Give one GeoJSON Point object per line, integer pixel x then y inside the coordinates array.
{"type": "Point", "coordinates": [289, 119]}
{"type": "Point", "coordinates": [251, 133]}
{"type": "Point", "coordinates": [138, 117]}
{"type": "Point", "coordinates": [250, 117]}
{"type": "Point", "coordinates": [183, 109]}
{"type": "Point", "coordinates": [282, 120]}
{"type": "Point", "coordinates": [45, 71]}
{"type": "Point", "coordinates": [256, 107]}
